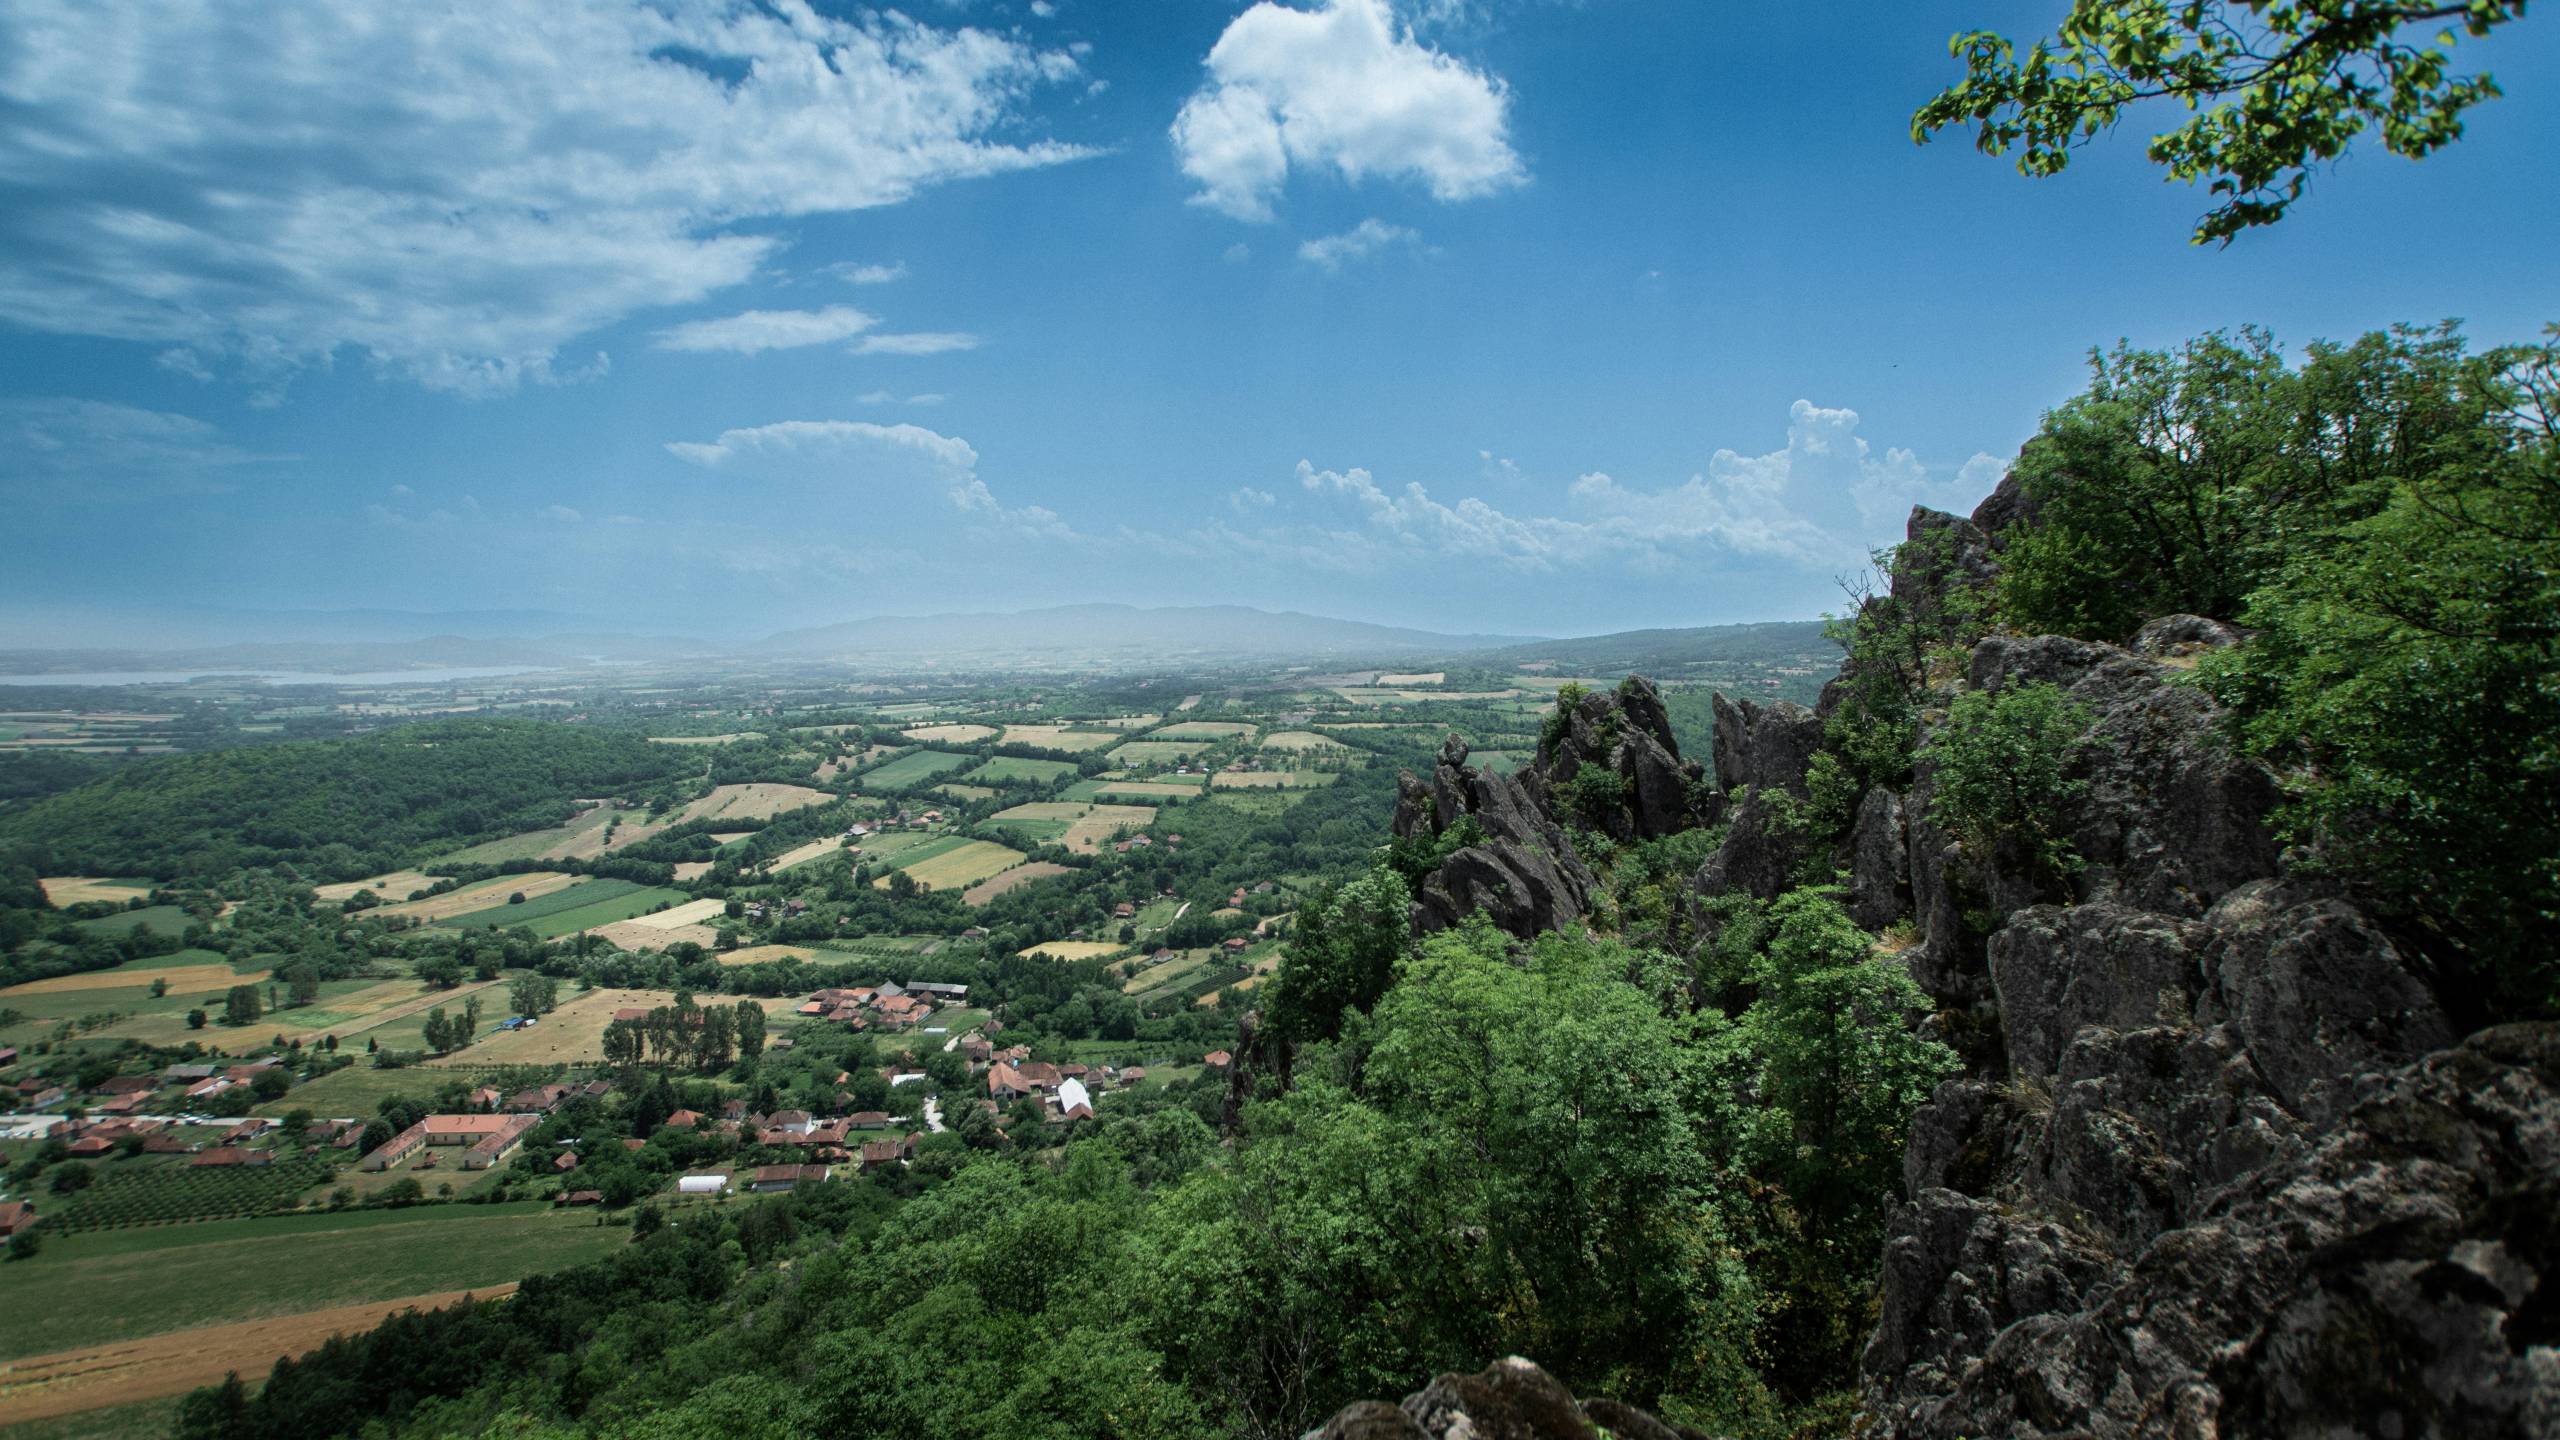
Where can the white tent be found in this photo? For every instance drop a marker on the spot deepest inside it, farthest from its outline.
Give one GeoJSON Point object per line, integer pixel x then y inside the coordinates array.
{"type": "Point", "coordinates": [702, 1185]}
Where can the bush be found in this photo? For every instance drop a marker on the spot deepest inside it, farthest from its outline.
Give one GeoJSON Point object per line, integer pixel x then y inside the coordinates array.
{"type": "Point", "coordinates": [2001, 771]}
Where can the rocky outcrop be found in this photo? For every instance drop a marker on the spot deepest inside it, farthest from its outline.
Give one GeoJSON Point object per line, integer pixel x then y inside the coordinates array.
{"type": "Point", "coordinates": [2220, 1166]}
{"type": "Point", "coordinates": [2394, 1270]}
{"type": "Point", "coordinates": [1511, 1399]}
{"type": "Point", "coordinates": [1627, 733]}
{"type": "Point", "coordinates": [1518, 865]}
{"type": "Point", "coordinates": [1761, 753]}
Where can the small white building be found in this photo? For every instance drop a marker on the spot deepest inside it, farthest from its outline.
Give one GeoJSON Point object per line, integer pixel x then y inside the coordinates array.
{"type": "Point", "coordinates": [703, 1185]}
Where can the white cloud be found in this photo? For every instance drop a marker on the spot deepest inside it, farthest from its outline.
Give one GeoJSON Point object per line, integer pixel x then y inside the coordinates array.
{"type": "Point", "coordinates": [1237, 254]}
{"type": "Point", "coordinates": [1812, 508]}
{"type": "Point", "coordinates": [891, 397]}
{"type": "Point", "coordinates": [1357, 243]}
{"type": "Point", "coordinates": [1246, 499]}
{"type": "Point", "coordinates": [930, 342]}
{"type": "Point", "coordinates": [759, 330]}
{"type": "Point", "coordinates": [561, 513]}
{"type": "Point", "coordinates": [883, 462]}
{"type": "Point", "coordinates": [1339, 88]}
{"type": "Point", "coordinates": [456, 194]}
{"type": "Point", "coordinates": [1043, 9]}
{"type": "Point", "coordinates": [853, 274]}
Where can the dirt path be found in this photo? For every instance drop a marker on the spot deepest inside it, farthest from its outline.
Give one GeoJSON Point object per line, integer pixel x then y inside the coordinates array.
{"type": "Point", "coordinates": [70, 1382]}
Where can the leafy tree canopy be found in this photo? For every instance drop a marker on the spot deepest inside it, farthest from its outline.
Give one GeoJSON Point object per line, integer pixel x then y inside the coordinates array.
{"type": "Point", "coordinates": [2274, 86]}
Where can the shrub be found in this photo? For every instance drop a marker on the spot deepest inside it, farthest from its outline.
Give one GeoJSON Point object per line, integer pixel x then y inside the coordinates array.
{"type": "Point", "coordinates": [2001, 771]}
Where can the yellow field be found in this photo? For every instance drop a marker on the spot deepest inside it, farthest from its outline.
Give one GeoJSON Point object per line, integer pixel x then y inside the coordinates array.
{"type": "Point", "coordinates": [1300, 740]}
{"type": "Point", "coordinates": [1101, 822]}
{"type": "Point", "coordinates": [749, 802]}
{"type": "Point", "coordinates": [691, 870]}
{"type": "Point", "coordinates": [1058, 737]}
{"type": "Point", "coordinates": [1196, 729]}
{"type": "Point", "coordinates": [951, 734]}
{"type": "Point", "coordinates": [62, 890]}
{"type": "Point", "coordinates": [726, 837]}
{"type": "Point", "coordinates": [767, 954]}
{"type": "Point", "coordinates": [1431, 677]}
{"type": "Point", "coordinates": [574, 1033]}
{"type": "Point", "coordinates": [958, 869]}
{"type": "Point", "coordinates": [1364, 695]}
{"type": "Point", "coordinates": [1019, 875]}
{"type": "Point", "coordinates": [181, 978]}
{"type": "Point", "coordinates": [483, 895]}
{"type": "Point", "coordinates": [1076, 949]}
{"type": "Point", "coordinates": [632, 935]}
{"type": "Point", "coordinates": [1188, 702]}
{"type": "Point", "coordinates": [398, 885]}
{"type": "Point", "coordinates": [814, 850]}
{"type": "Point", "coordinates": [1271, 779]}
{"type": "Point", "coordinates": [692, 912]}
{"type": "Point", "coordinates": [378, 1005]}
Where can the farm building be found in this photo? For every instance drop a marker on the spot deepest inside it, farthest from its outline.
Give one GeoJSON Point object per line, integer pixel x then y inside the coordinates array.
{"type": "Point", "coordinates": [16, 1215]}
{"type": "Point", "coordinates": [492, 1138]}
{"type": "Point", "coordinates": [703, 1185]}
{"type": "Point", "coordinates": [1074, 1103]}
{"type": "Point", "coordinates": [772, 1179]}
{"type": "Point", "coordinates": [229, 1156]}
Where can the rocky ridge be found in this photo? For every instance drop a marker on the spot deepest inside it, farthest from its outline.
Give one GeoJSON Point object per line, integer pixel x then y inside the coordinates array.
{"type": "Point", "coordinates": [2220, 1163]}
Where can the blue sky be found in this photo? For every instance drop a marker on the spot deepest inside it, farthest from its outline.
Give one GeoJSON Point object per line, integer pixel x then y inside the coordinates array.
{"type": "Point", "coordinates": [1525, 317]}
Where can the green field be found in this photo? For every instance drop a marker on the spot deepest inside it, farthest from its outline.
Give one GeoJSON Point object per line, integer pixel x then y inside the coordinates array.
{"type": "Point", "coordinates": [601, 902]}
{"type": "Point", "coordinates": [504, 916]}
{"type": "Point", "coordinates": [160, 919]}
{"type": "Point", "coordinates": [1005, 769]}
{"type": "Point", "coordinates": [358, 1091]}
{"type": "Point", "coordinates": [924, 847]}
{"type": "Point", "coordinates": [1157, 752]}
{"type": "Point", "coordinates": [914, 767]}
{"type": "Point", "coordinates": [124, 1284]}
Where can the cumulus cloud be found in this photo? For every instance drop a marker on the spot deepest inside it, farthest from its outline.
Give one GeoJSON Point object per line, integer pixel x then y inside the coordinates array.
{"type": "Point", "coordinates": [1340, 88]}
{"type": "Point", "coordinates": [1359, 242]}
{"type": "Point", "coordinates": [758, 330]}
{"type": "Point", "coordinates": [458, 193]}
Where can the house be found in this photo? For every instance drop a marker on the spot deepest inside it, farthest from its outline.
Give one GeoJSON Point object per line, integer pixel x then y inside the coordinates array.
{"type": "Point", "coordinates": [1124, 911]}
{"type": "Point", "coordinates": [629, 1143]}
{"type": "Point", "coordinates": [227, 1156]}
{"type": "Point", "coordinates": [128, 1085]}
{"type": "Point", "coordinates": [9, 1053]}
{"type": "Point", "coordinates": [683, 1120]}
{"type": "Point", "coordinates": [90, 1147]}
{"type": "Point", "coordinates": [938, 989]}
{"type": "Point", "coordinates": [789, 1122]}
{"type": "Point", "coordinates": [877, 1154]}
{"type": "Point", "coordinates": [186, 1074]}
{"type": "Point", "coordinates": [564, 1162]}
{"type": "Point", "coordinates": [540, 1100]}
{"type": "Point", "coordinates": [484, 1098]}
{"type": "Point", "coordinates": [1217, 1059]}
{"type": "Point", "coordinates": [868, 1120]}
{"type": "Point", "coordinates": [1006, 1083]}
{"type": "Point", "coordinates": [16, 1215]}
{"type": "Point", "coordinates": [208, 1087]}
{"type": "Point", "coordinates": [1237, 944]}
{"type": "Point", "coordinates": [904, 1075]}
{"type": "Point", "coordinates": [246, 1130]}
{"type": "Point", "coordinates": [1041, 1074]}
{"type": "Point", "coordinates": [1133, 1074]}
{"type": "Point", "coordinates": [579, 1197]}
{"type": "Point", "coordinates": [773, 1179]}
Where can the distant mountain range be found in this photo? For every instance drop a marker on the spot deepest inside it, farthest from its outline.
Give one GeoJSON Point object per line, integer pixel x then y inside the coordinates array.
{"type": "Point", "coordinates": [1168, 632]}
{"type": "Point", "coordinates": [1081, 636]}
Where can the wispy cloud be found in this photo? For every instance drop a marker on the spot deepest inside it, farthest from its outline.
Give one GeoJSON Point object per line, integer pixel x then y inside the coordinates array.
{"type": "Point", "coordinates": [853, 274]}
{"type": "Point", "coordinates": [458, 202]}
{"type": "Point", "coordinates": [931, 342]}
{"type": "Point", "coordinates": [759, 330]}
